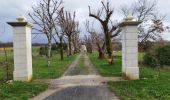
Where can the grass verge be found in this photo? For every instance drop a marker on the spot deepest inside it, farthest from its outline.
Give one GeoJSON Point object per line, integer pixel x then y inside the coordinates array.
{"type": "Point", "coordinates": [25, 90]}
{"type": "Point", "coordinates": [20, 90]}
{"type": "Point", "coordinates": [55, 70]}
{"type": "Point", "coordinates": [154, 84]}
{"type": "Point", "coordinates": [104, 68]}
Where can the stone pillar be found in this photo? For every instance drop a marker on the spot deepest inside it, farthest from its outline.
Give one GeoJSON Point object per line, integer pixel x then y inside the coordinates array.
{"type": "Point", "coordinates": [130, 67]}
{"type": "Point", "coordinates": [22, 49]}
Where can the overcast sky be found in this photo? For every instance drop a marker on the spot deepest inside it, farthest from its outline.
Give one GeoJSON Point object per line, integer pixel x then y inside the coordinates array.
{"type": "Point", "coordinates": [10, 9]}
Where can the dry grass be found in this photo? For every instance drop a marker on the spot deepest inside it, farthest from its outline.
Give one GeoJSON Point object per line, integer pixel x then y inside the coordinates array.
{"type": "Point", "coordinates": [6, 48]}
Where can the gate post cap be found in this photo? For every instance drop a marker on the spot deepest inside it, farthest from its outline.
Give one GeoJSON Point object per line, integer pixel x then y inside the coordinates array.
{"type": "Point", "coordinates": [129, 18]}
{"type": "Point", "coordinates": [21, 18]}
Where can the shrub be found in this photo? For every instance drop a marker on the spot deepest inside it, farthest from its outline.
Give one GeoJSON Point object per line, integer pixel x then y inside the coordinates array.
{"type": "Point", "coordinates": [150, 59]}
{"type": "Point", "coordinates": [158, 56]}
{"type": "Point", "coordinates": [163, 55]}
{"type": "Point", "coordinates": [42, 51]}
{"type": "Point", "coordinates": [54, 47]}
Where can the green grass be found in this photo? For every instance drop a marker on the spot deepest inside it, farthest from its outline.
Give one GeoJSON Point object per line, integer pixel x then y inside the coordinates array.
{"type": "Point", "coordinates": [3, 66]}
{"type": "Point", "coordinates": [40, 69]}
{"type": "Point", "coordinates": [55, 70]}
{"type": "Point", "coordinates": [2, 74]}
{"type": "Point", "coordinates": [20, 90]}
{"type": "Point", "coordinates": [110, 70]}
{"type": "Point", "coordinates": [154, 84]}
{"type": "Point", "coordinates": [104, 68]}
{"type": "Point", "coordinates": [25, 90]}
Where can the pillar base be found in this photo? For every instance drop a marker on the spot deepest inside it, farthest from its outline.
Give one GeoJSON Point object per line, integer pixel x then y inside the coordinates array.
{"type": "Point", "coordinates": [131, 73]}
{"type": "Point", "coordinates": [22, 76]}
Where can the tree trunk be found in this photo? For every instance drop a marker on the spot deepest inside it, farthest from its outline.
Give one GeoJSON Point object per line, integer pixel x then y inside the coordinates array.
{"type": "Point", "coordinates": [109, 47]}
{"type": "Point", "coordinates": [75, 46]}
{"type": "Point", "coordinates": [49, 52]}
{"type": "Point", "coordinates": [91, 48]}
{"type": "Point", "coordinates": [61, 49]}
{"type": "Point", "coordinates": [69, 44]}
{"type": "Point", "coordinates": [101, 52]}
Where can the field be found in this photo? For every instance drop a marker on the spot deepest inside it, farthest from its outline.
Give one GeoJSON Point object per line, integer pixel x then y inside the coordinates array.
{"type": "Point", "coordinates": [154, 84]}
{"type": "Point", "coordinates": [23, 90]}
{"type": "Point", "coordinates": [6, 48]}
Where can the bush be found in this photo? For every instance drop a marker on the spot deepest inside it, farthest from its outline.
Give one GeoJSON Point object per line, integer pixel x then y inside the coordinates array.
{"type": "Point", "coordinates": [43, 50]}
{"type": "Point", "coordinates": [163, 55]}
{"type": "Point", "coordinates": [54, 47]}
{"type": "Point", "coordinates": [158, 56]}
{"type": "Point", "coordinates": [149, 59]}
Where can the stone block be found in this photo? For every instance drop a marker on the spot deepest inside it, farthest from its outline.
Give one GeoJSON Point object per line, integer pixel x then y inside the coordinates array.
{"type": "Point", "coordinates": [131, 56]}
{"type": "Point", "coordinates": [19, 30]}
{"type": "Point", "coordinates": [130, 50]}
{"type": "Point", "coordinates": [130, 29]}
{"type": "Point", "coordinates": [129, 36]}
{"type": "Point", "coordinates": [131, 63]}
{"type": "Point", "coordinates": [131, 73]}
{"type": "Point", "coordinates": [131, 43]}
{"type": "Point", "coordinates": [22, 75]}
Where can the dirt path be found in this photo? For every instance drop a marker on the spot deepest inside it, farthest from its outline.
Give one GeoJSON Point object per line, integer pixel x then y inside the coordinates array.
{"type": "Point", "coordinates": [75, 85]}
{"type": "Point", "coordinates": [92, 69]}
{"type": "Point", "coordinates": [81, 66]}
{"type": "Point", "coordinates": [71, 70]}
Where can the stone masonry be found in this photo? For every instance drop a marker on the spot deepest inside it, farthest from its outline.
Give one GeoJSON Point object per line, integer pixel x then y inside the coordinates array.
{"type": "Point", "coordinates": [22, 49]}
{"type": "Point", "coordinates": [130, 67]}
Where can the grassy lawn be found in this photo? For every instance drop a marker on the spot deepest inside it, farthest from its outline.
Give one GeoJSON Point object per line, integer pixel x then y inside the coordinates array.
{"type": "Point", "coordinates": [154, 84]}
{"type": "Point", "coordinates": [3, 67]}
{"type": "Point", "coordinates": [20, 90]}
{"type": "Point", "coordinates": [25, 90]}
{"type": "Point", "coordinates": [104, 68]}
{"type": "Point", "coordinates": [40, 69]}
{"type": "Point", "coordinates": [56, 68]}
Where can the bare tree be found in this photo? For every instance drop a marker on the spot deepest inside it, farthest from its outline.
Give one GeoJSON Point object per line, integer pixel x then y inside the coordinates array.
{"type": "Point", "coordinates": [61, 33]}
{"type": "Point", "coordinates": [99, 40]}
{"type": "Point", "coordinates": [152, 22]}
{"type": "Point", "coordinates": [76, 41]}
{"type": "Point", "coordinates": [104, 15]}
{"type": "Point", "coordinates": [96, 38]}
{"type": "Point", "coordinates": [69, 27]}
{"type": "Point", "coordinates": [88, 43]}
{"type": "Point", "coordinates": [89, 39]}
{"type": "Point", "coordinates": [44, 16]}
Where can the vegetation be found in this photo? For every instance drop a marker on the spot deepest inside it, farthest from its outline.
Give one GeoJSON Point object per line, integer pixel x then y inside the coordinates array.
{"type": "Point", "coordinates": [104, 68]}
{"type": "Point", "coordinates": [20, 90]}
{"type": "Point", "coordinates": [153, 84]}
{"type": "Point", "coordinates": [110, 30]}
{"type": "Point", "coordinates": [145, 11]}
{"type": "Point", "coordinates": [163, 55]}
{"type": "Point", "coordinates": [158, 57]}
{"type": "Point", "coordinates": [25, 90]}
{"type": "Point", "coordinates": [56, 68]}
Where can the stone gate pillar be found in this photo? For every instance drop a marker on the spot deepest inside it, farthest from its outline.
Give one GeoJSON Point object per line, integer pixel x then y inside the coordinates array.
{"type": "Point", "coordinates": [22, 49]}
{"type": "Point", "coordinates": [130, 67]}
